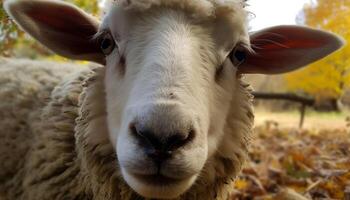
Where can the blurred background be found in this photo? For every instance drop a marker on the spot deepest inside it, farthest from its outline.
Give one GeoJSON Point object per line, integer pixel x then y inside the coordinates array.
{"type": "Point", "coordinates": [303, 117]}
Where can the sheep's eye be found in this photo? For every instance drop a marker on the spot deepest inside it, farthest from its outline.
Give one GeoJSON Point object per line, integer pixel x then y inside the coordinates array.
{"type": "Point", "coordinates": [107, 43]}
{"type": "Point", "coordinates": [238, 56]}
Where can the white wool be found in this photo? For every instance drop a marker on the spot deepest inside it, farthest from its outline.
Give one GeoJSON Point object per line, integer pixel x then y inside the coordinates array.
{"type": "Point", "coordinates": [73, 139]}
{"type": "Point", "coordinates": [205, 8]}
{"type": "Point", "coordinates": [70, 132]}
{"type": "Point", "coordinates": [63, 154]}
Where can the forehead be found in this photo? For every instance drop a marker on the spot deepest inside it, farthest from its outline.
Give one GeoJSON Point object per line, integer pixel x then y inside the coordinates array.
{"type": "Point", "coordinates": [200, 7]}
{"type": "Point", "coordinates": [230, 13]}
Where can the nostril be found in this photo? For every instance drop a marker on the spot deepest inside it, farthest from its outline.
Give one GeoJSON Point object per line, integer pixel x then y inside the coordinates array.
{"type": "Point", "coordinates": [160, 146]}
{"type": "Point", "coordinates": [145, 137]}
{"type": "Point", "coordinates": [134, 131]}
{"type": "Point", "coordinates": [176, 141]}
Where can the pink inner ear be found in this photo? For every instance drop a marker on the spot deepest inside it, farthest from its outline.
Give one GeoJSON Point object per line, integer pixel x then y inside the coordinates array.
{"type": "Point", "coordinates": [275, 61]}
{"type": "Point", "coordinates": [64, 29]}
{"type": "Point", "coordinates": [287, 48]}
{"type": "Point", "coordinates": [288, 44]}
{"type": "Point", "coordinates": [62, 19]}
{"type": "Point", "coordinates": [286, 38]}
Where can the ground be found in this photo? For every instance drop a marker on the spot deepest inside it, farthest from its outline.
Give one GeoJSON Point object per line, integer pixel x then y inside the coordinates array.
{"type": "Point", "coordinates": [291, 163]}
{"type": "Point", "coordinates": [313, 120]}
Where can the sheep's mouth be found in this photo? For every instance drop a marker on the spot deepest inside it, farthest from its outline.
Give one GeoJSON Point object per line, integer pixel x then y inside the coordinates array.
{"type": "Point", "coordinates": [157, 179]}
{"type": "Point", "coordinates": [157, 185]}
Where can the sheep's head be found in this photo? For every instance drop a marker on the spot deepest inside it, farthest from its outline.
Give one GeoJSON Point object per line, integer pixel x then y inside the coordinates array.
{"type": "Point", "coordinates": [172, 69]}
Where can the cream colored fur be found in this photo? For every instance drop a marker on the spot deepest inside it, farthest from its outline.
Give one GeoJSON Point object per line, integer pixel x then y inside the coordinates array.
{"type": "Point", "coordinates": [167, 54]}
{"type": "Point", "coordinates": [75, 144]}
{"type": "Point", "coordinates": [203, 8]}
{"type": "Point", "coordinates": [174, 73]}
{"type": "Point", "coordinates": [46, 152]}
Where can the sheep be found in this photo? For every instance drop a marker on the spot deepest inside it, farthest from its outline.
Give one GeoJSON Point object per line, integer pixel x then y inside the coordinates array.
{"type": "Point", "coordinates": [164, 114]}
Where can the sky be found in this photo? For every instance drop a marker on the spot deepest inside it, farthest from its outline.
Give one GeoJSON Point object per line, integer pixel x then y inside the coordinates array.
{"type": "Point", "coordinates": [274, 12]}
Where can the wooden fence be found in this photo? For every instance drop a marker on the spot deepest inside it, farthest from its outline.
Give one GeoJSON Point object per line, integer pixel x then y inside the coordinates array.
{"type": "Point", "coordinates": [303, 101]}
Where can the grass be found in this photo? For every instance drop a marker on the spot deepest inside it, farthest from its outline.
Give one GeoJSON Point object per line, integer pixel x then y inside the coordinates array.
{"type": "Point", "coordinates": [313, 119]}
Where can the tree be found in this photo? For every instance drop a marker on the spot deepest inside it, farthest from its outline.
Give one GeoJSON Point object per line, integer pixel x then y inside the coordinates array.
{"type": "Point", "coordinates": [13, 41]}
{"type": "Point", "coordinates": [326, 79]}
{"type": "Point", "coordinates": [8, 33]}
{"type": "Point", "coordinates": [90, 6]}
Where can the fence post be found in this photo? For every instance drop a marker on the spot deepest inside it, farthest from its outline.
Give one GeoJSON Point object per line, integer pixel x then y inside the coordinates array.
{"type": "Point", "coordinates": [304, 101]}
{"type": "Point", "coordinates": [302, 115]}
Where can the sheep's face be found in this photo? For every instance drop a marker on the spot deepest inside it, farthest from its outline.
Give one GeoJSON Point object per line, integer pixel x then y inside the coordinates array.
{"type": "Point", "coordinates": [169, 87]}
{"type": "Point", "coordinates": [168, 82]}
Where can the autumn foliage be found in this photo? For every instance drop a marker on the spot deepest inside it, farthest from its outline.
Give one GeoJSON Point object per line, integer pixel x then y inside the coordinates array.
{"type": "Point", "coordinates": [330, 77]}
{"type": "Point", "coordinates": [13, 41]}
{"type": "Point", "coordinates": [296, 164]}
{"type": "Point", "coordinates": [8, 33]}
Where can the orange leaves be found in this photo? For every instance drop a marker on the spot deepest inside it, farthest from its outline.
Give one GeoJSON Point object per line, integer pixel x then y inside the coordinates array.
{"type": "Point", "coordinates": [293, 164]}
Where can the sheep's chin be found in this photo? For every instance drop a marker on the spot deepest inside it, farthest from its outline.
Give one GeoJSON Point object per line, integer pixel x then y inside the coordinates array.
{"type": "Point", "coordinates": [161, 191]}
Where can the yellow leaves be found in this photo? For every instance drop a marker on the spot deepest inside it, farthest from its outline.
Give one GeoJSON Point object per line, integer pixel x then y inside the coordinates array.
{"type": "Point", "coordinates": [8, 33]}
{"type": "Point", "coordinates": [334, 189]}
{"type": "Point", "coordinates": [58, 58]}
{"type": "Point", "coordinates": [319, 80]}
{"type": "Point", "coordinates": [90, 6]}
{"type": "Point", "coordinates": [241, 184]}
{"type": "Point", "coordinates": [329, 77]}
{"type": "Point", "coordinates": [317, 14]}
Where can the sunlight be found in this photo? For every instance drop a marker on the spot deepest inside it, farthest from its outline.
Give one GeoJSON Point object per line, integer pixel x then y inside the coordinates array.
{"type": "Point", "coordinates": [275, 12]}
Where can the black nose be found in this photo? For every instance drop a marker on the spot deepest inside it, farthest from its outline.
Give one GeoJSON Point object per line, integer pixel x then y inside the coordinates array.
{"type": "Point", "coordinates": [160, 147]}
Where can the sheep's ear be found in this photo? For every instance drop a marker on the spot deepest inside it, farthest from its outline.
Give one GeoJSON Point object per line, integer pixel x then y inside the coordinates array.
{"type": "Point", "coordinates": [62, 27]}
{"type": "Point", "coordinates": [286, 48]}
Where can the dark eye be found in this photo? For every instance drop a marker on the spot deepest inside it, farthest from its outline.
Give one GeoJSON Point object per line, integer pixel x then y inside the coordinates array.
{"type": "Point", "coordinates": [238, 56]}
{"type": "Point", "coordinates": [107, 43]}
